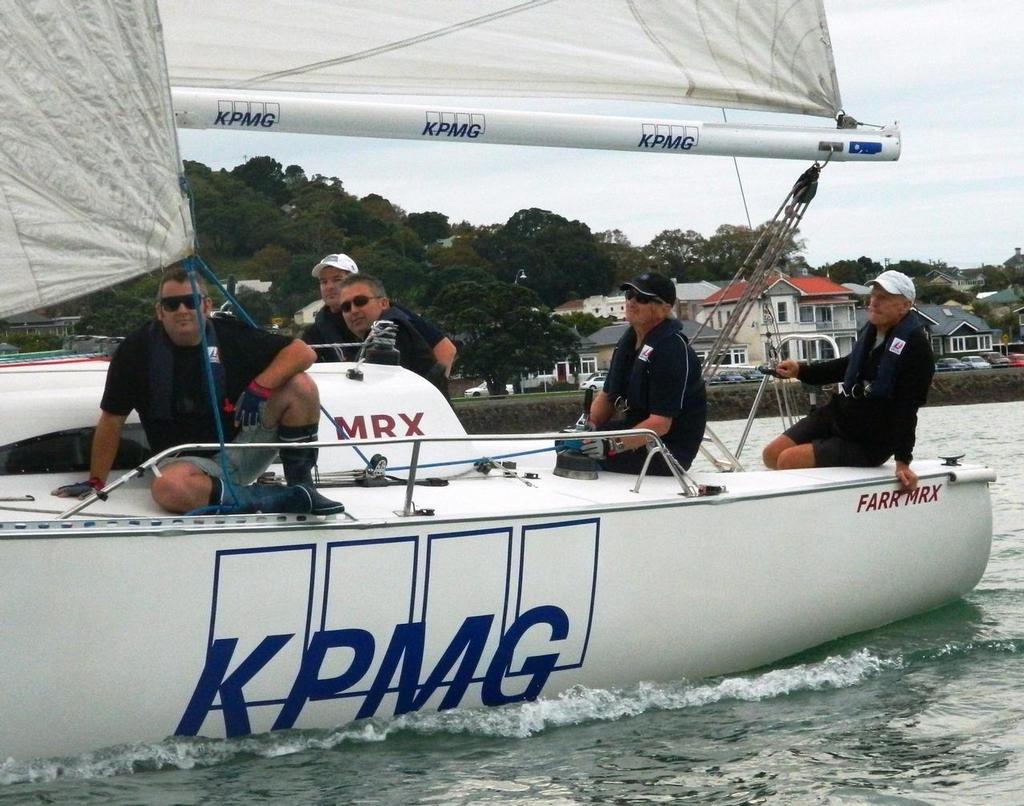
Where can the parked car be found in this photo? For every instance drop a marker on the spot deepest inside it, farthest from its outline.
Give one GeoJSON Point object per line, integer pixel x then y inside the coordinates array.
{"type": "Point", "coordinates": [996, 360]}
{"type": "Point", "coordinates": [726, 377]}
{"type": "Point", "coordinates": [482, 391]}
{"type": "Point", "coordinates": [595, 381]}
{"type": "Point", "coordinates": [949, 365]}
{"type": "Point", "coordinates": [1015, 359]}
{"type": "Point", "coordinates": [976, 362]}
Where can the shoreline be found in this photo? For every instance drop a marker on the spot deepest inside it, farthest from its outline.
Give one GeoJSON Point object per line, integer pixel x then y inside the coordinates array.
{"type": "Point", "coordinates": [521, 414]}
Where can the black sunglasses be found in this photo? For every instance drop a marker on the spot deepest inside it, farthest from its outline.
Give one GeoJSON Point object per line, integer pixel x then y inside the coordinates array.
{"type": "Point", "coordinates": [170, 304]}
{"type": "Point", "coordinates": [641, 297]}
{"type": "Point", "coordinates": [358, 302]}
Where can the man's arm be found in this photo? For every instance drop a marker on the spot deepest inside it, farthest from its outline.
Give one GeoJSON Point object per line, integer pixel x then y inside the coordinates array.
{"type": "Point", "coordinates": [444, 353]}
{"type": "Point", "coordinates": [105, 442]}
{"type": "Point", "coordinates": [295, 358]}
{"type": "Point", "coordinates": [601, 409]}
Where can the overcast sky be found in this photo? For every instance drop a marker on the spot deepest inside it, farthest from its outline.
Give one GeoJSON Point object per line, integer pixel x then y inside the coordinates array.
{"type": "Point", "coordinates": [950, 71]}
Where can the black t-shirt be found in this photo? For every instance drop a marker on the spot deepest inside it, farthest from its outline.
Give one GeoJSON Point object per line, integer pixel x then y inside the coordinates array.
{"type": "Point", "coordinates": [244, 353]}
{"type": "Point", "coordinates": [662, 377]}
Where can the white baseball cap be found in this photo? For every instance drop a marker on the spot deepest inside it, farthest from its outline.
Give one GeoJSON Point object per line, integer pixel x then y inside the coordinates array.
{"type": "Point", "coordinates": [896, 282]}
{"type": "Point", "coordinates": [340, 261]}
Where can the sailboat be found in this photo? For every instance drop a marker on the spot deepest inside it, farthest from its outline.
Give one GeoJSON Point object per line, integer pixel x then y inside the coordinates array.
{"type": "Point", "coordinates": [464, 572]}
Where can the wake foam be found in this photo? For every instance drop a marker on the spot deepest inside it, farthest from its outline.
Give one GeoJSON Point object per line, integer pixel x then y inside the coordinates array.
{"type": "Point", "coordinates": [575, 706]}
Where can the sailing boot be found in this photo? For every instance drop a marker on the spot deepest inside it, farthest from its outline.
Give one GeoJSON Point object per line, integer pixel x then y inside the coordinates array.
{"type": "Point", "coordinates": [298, 462]}
{"type": "Point", "coordinates": [298, 499]}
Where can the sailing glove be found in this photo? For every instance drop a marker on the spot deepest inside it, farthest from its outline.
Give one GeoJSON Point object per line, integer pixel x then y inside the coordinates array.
{"type": "Point", "coordinates": [250, 405]}
{"type": "Point", "coordinates": [81, 489]}
{"type": "Point", "coordinates": [594, 448]}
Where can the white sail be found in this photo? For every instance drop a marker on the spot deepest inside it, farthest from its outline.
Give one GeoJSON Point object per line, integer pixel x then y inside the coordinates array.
{"type": "Point", "coordinates": [89, 167]}
{"type": "Point", "coordinates": [770, 54]}
{"type": "Point", "coordinates": [269, 67]}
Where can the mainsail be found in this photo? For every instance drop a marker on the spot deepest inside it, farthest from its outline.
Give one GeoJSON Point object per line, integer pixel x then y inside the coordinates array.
{"type": "Point", "coordinates": [268, 66]}
{"type": "Point", "coordinates": [771, 55]}
{"type": "Point", "coordinates": [89, 169]}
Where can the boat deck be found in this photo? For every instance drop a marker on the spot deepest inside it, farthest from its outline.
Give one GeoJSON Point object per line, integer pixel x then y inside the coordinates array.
{"type": "Point", "coordinates": [527, 491]}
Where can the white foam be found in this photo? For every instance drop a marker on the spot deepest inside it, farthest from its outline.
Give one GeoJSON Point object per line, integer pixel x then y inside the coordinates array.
{"type": "Point", "coordinates": [573, 707]}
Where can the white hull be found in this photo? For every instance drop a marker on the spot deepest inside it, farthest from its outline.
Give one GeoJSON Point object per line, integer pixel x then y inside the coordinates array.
{"type": "Point", "coordinates": [130, 629]}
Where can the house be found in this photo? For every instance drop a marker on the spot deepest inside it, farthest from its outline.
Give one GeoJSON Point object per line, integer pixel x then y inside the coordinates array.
{"type": "Point", "coordinates": [955, 278]}
{"type": "Point", "coordinates": [812, 318]}
{"type": "Point", "coordinates": [305, 315]}
{"type": "Point", "coordinates": [1015, 261]}
{"type": "Point", "coordinates": [688, 301]}
{"type": "Point", "coordinates": [596, 350]}
{"type": "Point", "coordinates": [39, 325]}
{"type": "Point", "coordinates": [955, 331]}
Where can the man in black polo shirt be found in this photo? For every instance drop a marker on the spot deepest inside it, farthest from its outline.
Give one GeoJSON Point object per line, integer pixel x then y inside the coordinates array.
{"type": "Point", "coordinates": [885, 380]}
{"type": "Point", "coordinates": [654, 382]}
{"type": "Point", "coordinates": [261, 391]}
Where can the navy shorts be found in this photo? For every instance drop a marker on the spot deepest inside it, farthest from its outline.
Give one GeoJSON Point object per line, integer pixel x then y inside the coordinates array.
{"type": "Point", "coordinates": [831, 449]}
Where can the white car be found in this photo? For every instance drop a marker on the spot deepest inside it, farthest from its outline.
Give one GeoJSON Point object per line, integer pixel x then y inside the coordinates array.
{"type": "Point", "coordinates": [594, 381]}
{"type": "Point", "coordinates": [481, 390]}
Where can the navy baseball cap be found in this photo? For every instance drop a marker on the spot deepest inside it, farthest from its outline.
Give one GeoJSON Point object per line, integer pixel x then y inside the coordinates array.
{"type": "Point", "coordinates": [653, 284]}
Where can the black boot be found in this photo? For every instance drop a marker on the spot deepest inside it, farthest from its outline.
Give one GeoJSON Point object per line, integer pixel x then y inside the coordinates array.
{"type": "Point", "coordinates": [298, 462]}
{"type": "Point", "coordinates": [298, 499]}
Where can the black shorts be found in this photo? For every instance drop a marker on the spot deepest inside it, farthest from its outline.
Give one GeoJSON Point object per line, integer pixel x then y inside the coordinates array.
{"type": "Point", "coordinates": [830, 449]}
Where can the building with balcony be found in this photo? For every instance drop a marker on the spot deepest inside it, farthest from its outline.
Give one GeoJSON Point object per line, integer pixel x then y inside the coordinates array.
{"type": "Point", "coordinates": [813, 317]}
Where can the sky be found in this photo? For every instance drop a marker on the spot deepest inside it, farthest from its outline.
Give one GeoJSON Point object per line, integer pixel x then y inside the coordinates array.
{"type": "Point", "coordinates": [951, 72]}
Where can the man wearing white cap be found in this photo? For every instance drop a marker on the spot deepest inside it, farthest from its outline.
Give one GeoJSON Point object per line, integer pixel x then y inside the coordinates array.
{"type": "Point", "coordinates": [329, 325]}
{"type": "Point", "coordinates": [885, 380]}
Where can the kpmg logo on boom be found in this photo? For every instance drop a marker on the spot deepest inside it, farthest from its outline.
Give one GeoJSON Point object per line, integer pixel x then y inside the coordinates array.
{"type": "Point", "coordinates": [665, 137]}
{"type": "Point", "coordinates": [248, 114]}
{"type": "Point", "coordinates": [457, 125]}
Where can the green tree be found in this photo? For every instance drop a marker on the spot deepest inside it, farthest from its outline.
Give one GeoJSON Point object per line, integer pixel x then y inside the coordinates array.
{"type": "Point", "coordinates": [586, 323]}
{"type": "Point", "coordinates": [504, 329]}
{"type": "Point", "coordinates": [266, 176]}
{"type": "Point", "coordinates": [678, 254]}
{"type": "Point", "coordinates": [561, 258]}
{"type": "Point", "coordinates": [429, 226]}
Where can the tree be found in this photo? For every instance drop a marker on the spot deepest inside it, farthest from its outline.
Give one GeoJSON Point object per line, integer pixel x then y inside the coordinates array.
{"type": "Point", "coordinates": [561, 258]}
{"type": "Point", "coordinates": [429, 226]}
{"type": "Point", "coordinates": [586, 323]}
{"type": "Point", "coordinates": [504, 330]}
{"type": "Point", "coordinates": [677, 254]}
{"type": "Point", "coordinates": [265, 176]}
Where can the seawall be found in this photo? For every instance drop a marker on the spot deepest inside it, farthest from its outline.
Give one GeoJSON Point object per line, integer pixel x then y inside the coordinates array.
{"type": "Point", "coordinates": [520, 414]}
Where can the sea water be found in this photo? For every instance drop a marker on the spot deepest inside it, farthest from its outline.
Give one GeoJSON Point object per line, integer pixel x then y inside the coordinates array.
{"type": "Point", "coordinates": [927, 710]}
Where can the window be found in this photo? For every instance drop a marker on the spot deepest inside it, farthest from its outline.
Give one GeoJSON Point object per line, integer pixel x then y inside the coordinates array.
{"type": "Point", "coordinates": [781, 311]}
{"type": "Point", "coordinates": [588, 364]}
{"type": "Point", "coordinates": [823, 315]}
{"type": "Point", "coordinates": [971, 344]}
{"type": "Point", "coordinates": [806, 314]}
{"type": "Point", "coordinates": [68, 452]}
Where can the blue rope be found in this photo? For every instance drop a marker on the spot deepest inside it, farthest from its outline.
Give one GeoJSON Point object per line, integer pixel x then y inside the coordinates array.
{"type": "Point", "coordinates": [190, 266]}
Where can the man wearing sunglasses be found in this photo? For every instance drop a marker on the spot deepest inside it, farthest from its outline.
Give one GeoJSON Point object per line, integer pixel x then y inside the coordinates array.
{"type": "Point", "coordinates": [262, 394]}
{"type": "Point", "coordinates": [653, 382]}
{"type": "Point", "coordinates": [329, 325]}
{"type": "Point", "coordinates": [362, 300]}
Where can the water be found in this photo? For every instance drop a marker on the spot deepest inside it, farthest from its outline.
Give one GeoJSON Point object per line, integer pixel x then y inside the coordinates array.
{"type": "Point", "coordinates": [929, 710]}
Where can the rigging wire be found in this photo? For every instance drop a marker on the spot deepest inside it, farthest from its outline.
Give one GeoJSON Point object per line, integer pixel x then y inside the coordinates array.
{"type": "Point", "coordinates": [739, 180]}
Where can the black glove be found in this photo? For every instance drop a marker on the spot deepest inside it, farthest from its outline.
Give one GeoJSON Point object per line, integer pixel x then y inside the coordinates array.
{"type": "Point", "coordinates": [81, 489]}
{"type": "Point", "coordinates": [250, 405]}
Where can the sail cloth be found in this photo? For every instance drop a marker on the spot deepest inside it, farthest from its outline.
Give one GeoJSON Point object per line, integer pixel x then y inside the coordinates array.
{"type": "Point", "coordinates": [89, 166]}
{"type": "Point", "coordinates": [771, 55]}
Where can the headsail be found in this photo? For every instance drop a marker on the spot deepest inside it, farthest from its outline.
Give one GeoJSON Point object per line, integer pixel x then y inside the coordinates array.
{"type": "Point", "coordinates": [261, 66]}
{"type": "Point", "coordinates": [89, 166]}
